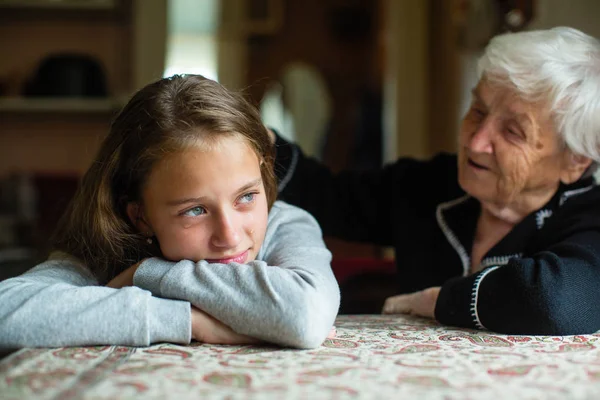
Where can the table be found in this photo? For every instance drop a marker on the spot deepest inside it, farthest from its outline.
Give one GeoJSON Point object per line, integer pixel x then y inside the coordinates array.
{"type": "Point", "coordinates": [372, 357]}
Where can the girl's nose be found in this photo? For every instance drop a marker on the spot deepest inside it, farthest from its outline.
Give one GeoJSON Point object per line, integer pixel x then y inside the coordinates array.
{"type": "Point", "coordinates": [226, 232]}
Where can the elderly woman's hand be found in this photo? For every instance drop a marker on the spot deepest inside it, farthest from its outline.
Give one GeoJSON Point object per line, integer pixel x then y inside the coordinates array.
{"type": "Point", "coordinates": [419, 303]}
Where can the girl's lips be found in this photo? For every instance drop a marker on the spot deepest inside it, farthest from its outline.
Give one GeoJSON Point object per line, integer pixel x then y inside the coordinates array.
{"type": "Point", "coordinates": [240, 258]}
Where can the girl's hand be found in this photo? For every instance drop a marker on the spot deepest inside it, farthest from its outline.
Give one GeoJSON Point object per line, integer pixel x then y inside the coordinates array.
{"type": "Point", "coordinates": [207, 329]}
{"type": "Point", "coordinates": [419, 303]}
{"type": "Point", "coordinates": [125, 278]}
{"type": "Point", "coordinates": [332, 333]}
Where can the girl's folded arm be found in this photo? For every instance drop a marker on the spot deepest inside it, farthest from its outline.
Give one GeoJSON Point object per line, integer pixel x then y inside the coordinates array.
{"type": "Point", "coordinates": [291, 298]}
{"type": "Point", "coordinates": [58, 303]}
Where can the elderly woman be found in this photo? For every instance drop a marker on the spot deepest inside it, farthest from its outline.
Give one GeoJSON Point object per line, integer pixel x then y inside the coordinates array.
{"type": "Point", "coordinates": [506, 235]}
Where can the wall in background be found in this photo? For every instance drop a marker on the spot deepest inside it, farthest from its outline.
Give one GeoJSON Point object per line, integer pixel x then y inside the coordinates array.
{"type": "Point", "coordinates": [579, 14]}
{"type": "Point", "coordinates": [61, 141]}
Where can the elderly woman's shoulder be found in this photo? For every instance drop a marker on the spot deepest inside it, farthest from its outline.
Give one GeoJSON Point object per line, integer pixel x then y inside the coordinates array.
{"type": "Point", "coordinates": [430, 180]}
{"type": "Point", "coordinates": [583, 196]}
{"type": "Point", "coordinates": [447, 161]}
{"type": "Point", "coordinates": [438, 167]}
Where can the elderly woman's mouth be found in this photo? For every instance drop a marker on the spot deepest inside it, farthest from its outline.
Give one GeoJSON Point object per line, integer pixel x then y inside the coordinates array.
{"type": "Point", "coordinates": [477, 166]}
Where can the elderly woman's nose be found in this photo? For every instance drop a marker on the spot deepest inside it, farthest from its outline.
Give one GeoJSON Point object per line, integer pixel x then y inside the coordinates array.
{"type": "Point", "coordinates": [481, 140]}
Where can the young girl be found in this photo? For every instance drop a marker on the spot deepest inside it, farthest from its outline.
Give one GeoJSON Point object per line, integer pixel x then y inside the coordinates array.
{"type": "Point", "coordinates": [175, 235]}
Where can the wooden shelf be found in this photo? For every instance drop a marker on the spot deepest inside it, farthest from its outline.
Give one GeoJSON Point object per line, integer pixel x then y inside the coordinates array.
{"type": "Point", "coordinates": [58, 104]}
{"type": "Point", "coordinates": [60, 4]}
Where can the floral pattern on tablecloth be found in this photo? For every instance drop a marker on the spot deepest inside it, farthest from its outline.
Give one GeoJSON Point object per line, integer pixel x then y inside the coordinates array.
{"type": "Point", "coordinates": [373, 356]}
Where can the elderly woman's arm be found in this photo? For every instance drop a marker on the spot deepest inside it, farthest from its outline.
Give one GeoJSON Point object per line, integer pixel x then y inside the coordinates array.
{"type": "Point", "coordinates": [555, 292]}
{"type": "Point", "coordinates": [291, 298]}
{"type": "Point", "coordinates": [364, 206]}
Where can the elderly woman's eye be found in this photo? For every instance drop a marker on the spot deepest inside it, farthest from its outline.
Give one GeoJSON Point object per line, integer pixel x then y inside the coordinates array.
{"type": "Point", "coordinates": [514, 132]}
{"type": "Point", "coordinates": [478, 112]}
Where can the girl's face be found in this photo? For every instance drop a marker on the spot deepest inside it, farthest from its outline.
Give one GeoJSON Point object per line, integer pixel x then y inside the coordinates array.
{"type": "Point", "coordinates": [207, 203]}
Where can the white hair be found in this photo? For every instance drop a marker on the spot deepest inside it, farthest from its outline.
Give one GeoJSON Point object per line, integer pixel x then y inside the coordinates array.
{"type": "Point", "coordinates": [560, 67]}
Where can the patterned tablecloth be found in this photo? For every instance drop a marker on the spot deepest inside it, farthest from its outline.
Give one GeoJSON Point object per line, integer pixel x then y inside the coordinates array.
{"type": "Point", "coordinates": [378, 357]}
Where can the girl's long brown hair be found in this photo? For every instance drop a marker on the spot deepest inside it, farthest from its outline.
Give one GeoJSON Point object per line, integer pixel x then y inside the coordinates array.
{"type": "Point", "coordinates": [162, 118]}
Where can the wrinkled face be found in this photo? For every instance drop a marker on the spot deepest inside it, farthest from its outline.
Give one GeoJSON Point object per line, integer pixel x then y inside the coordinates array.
{"type": "Point", "coordinates": [208, 203]}
{"type": "Point", "coordinates": [508, 149]}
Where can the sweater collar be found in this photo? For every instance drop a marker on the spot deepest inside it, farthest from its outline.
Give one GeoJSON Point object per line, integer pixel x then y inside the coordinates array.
{"type": "Point", "coordinates": [458, 220]}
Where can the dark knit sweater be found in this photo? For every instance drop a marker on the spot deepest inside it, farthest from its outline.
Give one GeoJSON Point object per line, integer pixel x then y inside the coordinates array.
{"type": "Point", "coordinates": [542, 278]}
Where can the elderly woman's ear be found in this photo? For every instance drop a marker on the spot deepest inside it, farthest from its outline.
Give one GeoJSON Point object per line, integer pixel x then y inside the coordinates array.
{"type": "Point", "coordinates": [574, 167]}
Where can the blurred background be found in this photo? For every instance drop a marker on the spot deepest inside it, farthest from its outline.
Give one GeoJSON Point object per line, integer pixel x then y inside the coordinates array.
{"type": "Point", "coordinates": [356, 83]}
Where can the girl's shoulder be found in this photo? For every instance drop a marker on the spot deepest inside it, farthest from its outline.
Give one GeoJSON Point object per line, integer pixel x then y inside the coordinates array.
{"type": "Point", "coordinates": [61, 266]}
{"type": "Point", "coordinates": [282, 212]}
{"type": "Point", "coordinates": [290, 226]}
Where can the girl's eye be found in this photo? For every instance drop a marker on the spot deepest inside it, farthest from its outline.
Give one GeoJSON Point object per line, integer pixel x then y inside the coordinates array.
{"type": "Point", "coordinates": [194, 212]}
{"type": "Point", "coordinates": [247, 198]}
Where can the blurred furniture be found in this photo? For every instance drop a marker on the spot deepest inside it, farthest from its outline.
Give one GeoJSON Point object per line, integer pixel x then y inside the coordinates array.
{"type": "Point", "coordinates": [30, 208]}
{"type": "Point", "coordinates": [61, 133]}
{"type": "Point", "coordinates": [365, 283]}
{"type": "Point", "coordinates": [16, 260]}
{"type": "Point", "coordinates": [346, 268]}
{"type": "Point", "coordinates": [372, 357]}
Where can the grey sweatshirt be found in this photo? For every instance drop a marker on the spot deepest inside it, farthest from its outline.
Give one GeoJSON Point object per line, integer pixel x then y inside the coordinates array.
{"type": "Point", "coordinates": [288, 296]}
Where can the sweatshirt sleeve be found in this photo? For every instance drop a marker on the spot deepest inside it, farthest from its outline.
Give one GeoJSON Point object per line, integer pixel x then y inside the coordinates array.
{"type": "Point", "coordinates": [363, 206]}
{"type": "Point", "coordinates": [554, 292]}
{"type": "Point", "coordinates": [58, 303]}
{"type": "Point", "coordinates": [288, 296]}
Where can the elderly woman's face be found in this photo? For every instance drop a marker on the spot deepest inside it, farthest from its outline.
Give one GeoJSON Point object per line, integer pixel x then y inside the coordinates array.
{"type": "Point", "coordinates": [508, 149]}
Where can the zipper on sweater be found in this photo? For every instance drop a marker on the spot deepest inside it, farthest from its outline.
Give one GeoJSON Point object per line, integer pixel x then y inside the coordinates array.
{"type": "Point", "coordinates": [498, 260]}
{"type": "Point", "coordinates": [452, 238]}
